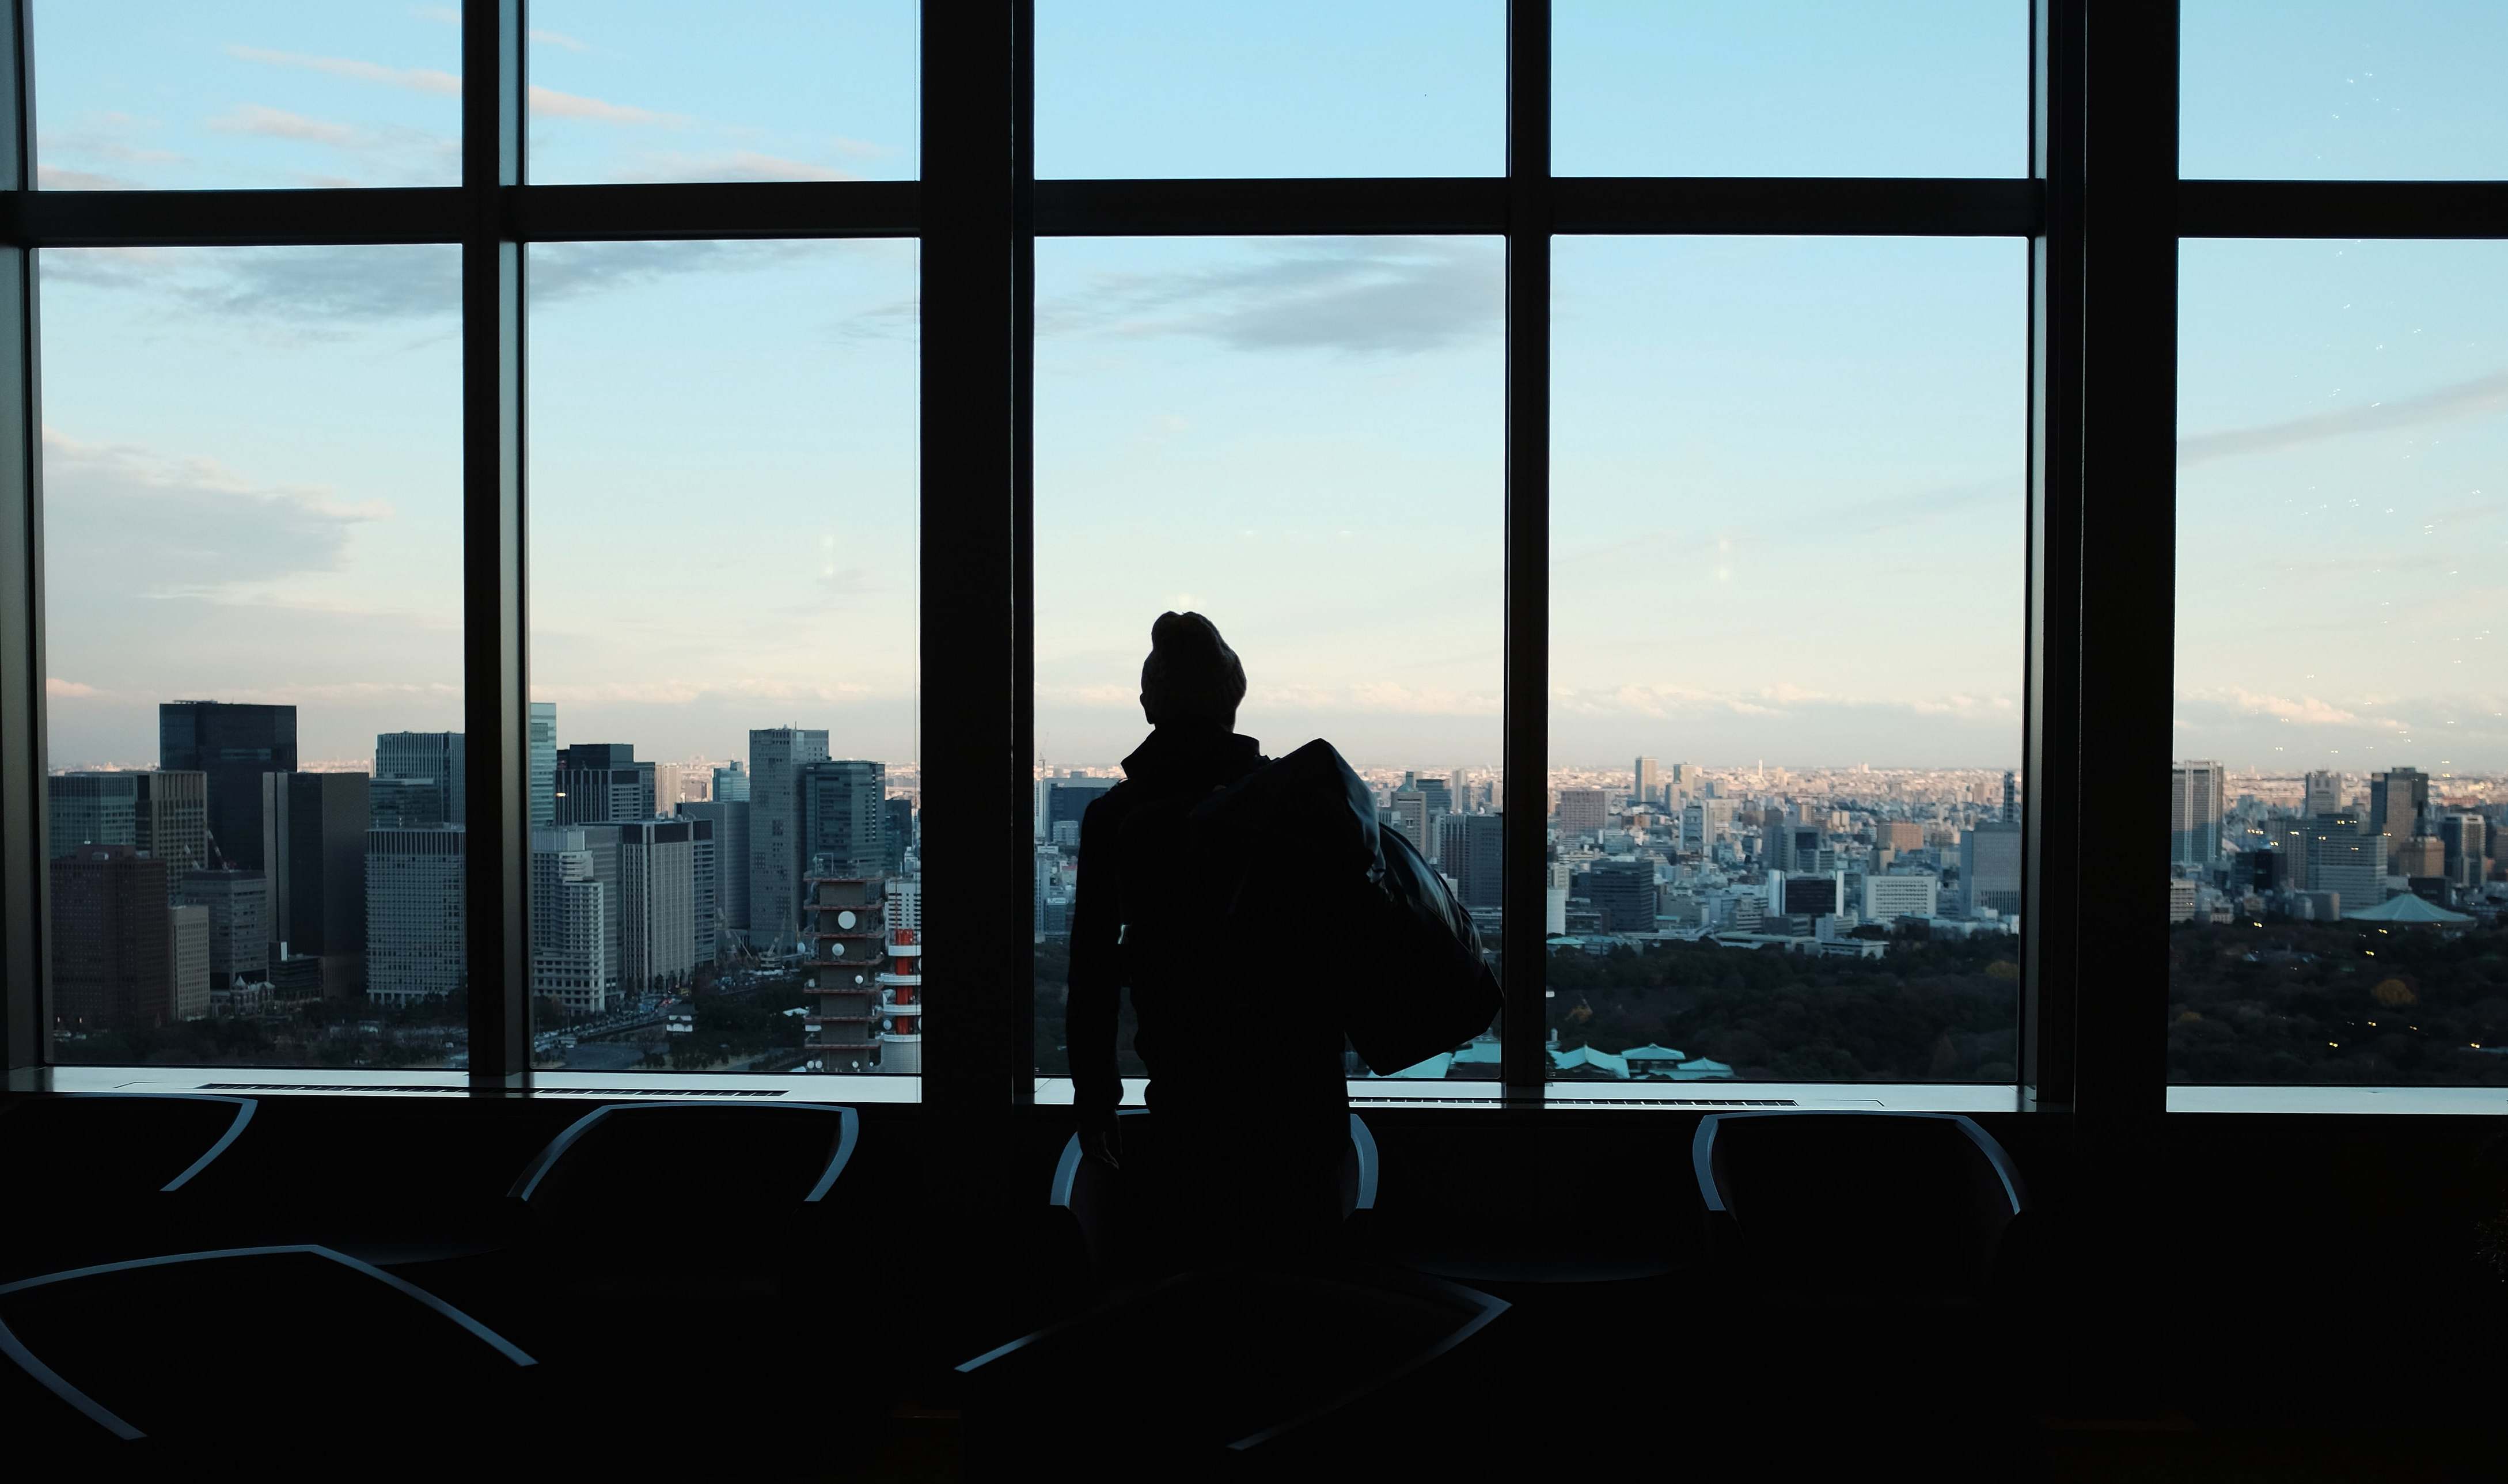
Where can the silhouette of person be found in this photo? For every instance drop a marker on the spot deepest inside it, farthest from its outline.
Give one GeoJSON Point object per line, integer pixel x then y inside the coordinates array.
{"type": "Point", "coordinates": [1242, 1157]}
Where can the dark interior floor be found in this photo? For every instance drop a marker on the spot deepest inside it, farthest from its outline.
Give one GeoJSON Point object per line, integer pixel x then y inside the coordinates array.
{"type": "Point", "coordinates": [2225, 1298]}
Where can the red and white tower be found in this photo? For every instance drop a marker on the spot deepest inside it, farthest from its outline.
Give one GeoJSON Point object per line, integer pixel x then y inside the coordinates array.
{"type": "Point", "coordinates": [900, 984]}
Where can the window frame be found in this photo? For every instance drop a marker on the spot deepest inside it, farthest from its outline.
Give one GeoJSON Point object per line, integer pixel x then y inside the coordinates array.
{"type": "Point", "coordinates": [2100, 406]}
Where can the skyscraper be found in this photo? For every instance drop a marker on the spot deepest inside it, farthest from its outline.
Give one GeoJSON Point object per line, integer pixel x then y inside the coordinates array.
{"type": "Point", "coordinates": [570, 924]}
{"type": "Point", "coordinates": [732, 782]}
{"type": "Point", "coordinates": [2010, 799]}
{"type": "Point", "coordinates": [2466, 837]}
{"type": "Point", "coordinates": [232, 746]}
{"type": "Point", "coordinates": [159, 813]}
{"type": "Point", "coordinates": [2322, 794]}
{"type": "Point", "coordinates": [416, 933]}
{"type": "Point", "coordinates": [111, 939]}
{"type": "Point", "coordinates": [776, 757]}
{"type": "Point", "coordinates": [729, 821]}
{"type": "Point", "coordinates": [430, 756]}
{"type": "Point", "coordinates": [2194, 792]}
{"type": "Point", "coordinates": [1623, 892]}
{"type": "Point", "coordinates": [655, 870]}
{"type": "Point", "coordinates": [315, 841]}
{"type": "Point", "coordinates": [844, 818]}
{"type": "Point", "coordinates": [1067, 798]}
{"type": "Point", "coordinates": [1411, 816]}
{"type": "Point", "coordinates": [1471, 851]}
{"type": "Point", "coordinates": [602, 782]}
{"type": "Point", "coordinates": [1583, 811]}
{"type": "Point", "coordinates": [2398, 800]}
{"type": "Point", "coordinates": [1646, 784]}
{"type": "Point", "coordinates": [239, 903]}
{"type": "Point", "coordinates": [2347, 857]}
{"type": "Point", "coordinates": [543, 762]}
{"type": "Point", "coordinates": [1990, 869]}
{"type": "Point", "coordinates": [901, 831]}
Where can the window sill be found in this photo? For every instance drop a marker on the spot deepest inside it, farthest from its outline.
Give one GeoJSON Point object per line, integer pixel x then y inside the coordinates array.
{"type": "Point", "coordinates": [2461, 1101]}
{"type": "Point", "coordinates": [367, 1082]}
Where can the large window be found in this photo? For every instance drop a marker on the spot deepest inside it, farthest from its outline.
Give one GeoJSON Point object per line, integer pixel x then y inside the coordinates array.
{"type": "Point", "coordinates": [1787, 658]}
{"type": "Point", "coordinates": [1300, 438]}
{"type": "Point", "coordinates": [723, 657]}
{"type": "Point", "coordinates": [253, 610]}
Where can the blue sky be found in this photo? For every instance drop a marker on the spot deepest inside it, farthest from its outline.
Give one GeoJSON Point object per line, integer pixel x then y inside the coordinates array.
{"type": "Point", "coordinates": [1787, 472]}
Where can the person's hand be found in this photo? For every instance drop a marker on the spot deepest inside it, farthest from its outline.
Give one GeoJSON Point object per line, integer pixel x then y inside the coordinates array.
{"type": "Point", "coordinates": [1101, 1139]}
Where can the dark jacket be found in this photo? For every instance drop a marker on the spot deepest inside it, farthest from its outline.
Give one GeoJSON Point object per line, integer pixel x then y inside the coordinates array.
{"type": "Point", "coordinates": [1222, 1015]}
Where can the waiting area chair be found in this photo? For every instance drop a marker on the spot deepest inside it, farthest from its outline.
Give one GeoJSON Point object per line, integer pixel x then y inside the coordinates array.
{"type": "Point", "coordinates": [1835, 1207]}
{"type": "Point", "coordinates": [108, 1170]}
{"type": "Point", "coordinates": [1093, 1195]}
{"type": "Point", "coordinates": [271, 1361]}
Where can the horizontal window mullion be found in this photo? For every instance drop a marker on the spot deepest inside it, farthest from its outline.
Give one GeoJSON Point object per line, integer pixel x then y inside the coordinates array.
{"type": "Point", "coordinates": [2343, 208]}
{"type": "Point", "coordinates": [1301, 207]}
{"type": "Point", "coordinates": [1796, 206]}
{"type": "Point", "coordinates": [715, 210]}
{"type": "Point", "coordinates": [237, 218]}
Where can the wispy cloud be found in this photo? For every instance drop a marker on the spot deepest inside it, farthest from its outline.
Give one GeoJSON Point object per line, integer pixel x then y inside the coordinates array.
{"type": "Point", "coordinates": [192, 526]}
{"type": "Point", "coordinates": [558, 40]}
{"type": "Point", "coordinates": [415, 79]}
{"type": "Point", "coordinates": [52, 177]}
{"type": "Point", "coordinates": [549, 104]}
{"type": "Point", "coordinates": [279, 124]}
{"type": "Point", "coordinates": [62, 689]}
{"type": "Point", "coordinates": [729, 164]}
{"type": "Point", "coordinates": [1374, 295]}
{"type": "Point", "coordinates": [2459, 399]}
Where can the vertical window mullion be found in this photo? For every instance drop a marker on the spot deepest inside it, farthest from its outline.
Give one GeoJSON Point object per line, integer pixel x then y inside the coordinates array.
{"type": "Point", "coordinates": [2129, 559]}
{"type": "Point", "coordinates": [24, 887]}
{"type": "Point", "coordinates": [2052, 815]}
{"type": "Point", "coordinates": [1526, 762]}
{"type": "Point", "coordinates": [494, 706]}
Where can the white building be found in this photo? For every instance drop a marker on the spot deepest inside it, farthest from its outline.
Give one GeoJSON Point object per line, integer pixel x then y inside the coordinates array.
{"type": "Point", "coordinates": [570, 923]}
{"type": "Point", "coordinates": [1889, 897]}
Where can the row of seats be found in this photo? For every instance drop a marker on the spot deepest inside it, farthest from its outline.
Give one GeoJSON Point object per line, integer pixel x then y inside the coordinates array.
{"type": "Point", "coordinates": [652, 1218]}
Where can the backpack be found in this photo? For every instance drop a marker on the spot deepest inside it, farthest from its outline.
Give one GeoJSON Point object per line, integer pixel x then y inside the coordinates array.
{"type": "Point", "coordinates": [1296, 839]}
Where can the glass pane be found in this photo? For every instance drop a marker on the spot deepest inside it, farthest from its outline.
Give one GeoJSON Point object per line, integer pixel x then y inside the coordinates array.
{"type": "Point", "coordinates": [760, 90]}
{"type": "Point", "coordinates": [1145, 88]}
{"type": "Point", "coordinates": [1301, 439]}
{"type": "Point", "coordinates": [2343, 90]}
{"type": "Point", "coordinates": [1937, 87]}
{"type": "Point", "coordinates": [724, 527]}
{"type": "Point", "coordinates": [187, 95]}
{"type": "Point", "coordinates": [252, 583]}
{"type": "Point", "coordinates": [2342, 773]}
{"type": "Point", "coordinates": [1785, 661]}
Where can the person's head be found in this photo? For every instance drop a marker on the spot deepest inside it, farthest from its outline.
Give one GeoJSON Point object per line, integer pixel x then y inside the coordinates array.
{"type": "Point", "coordinates": [1192, 676]}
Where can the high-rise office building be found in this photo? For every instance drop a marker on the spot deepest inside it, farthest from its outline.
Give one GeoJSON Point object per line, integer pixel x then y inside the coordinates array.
{"type": "Point", "coordinates": [900, 829]}
{"type": "Point", "coordinates": [405, 804]}
{"type": "Point", "coordinates": [431, 756]}
{"type": "Point", "coordinates": [656, 871]}
{"type": "Point", "coordinates": [844, 818]}
{"type": "Point", "coordinates": [705, 892]}
{"type": "Point", "coordinates": [1067, 798]}
{"type": "Point", "coordinates": [2195, 796]}
{"type": "Point", "coordinates": [416, 930]}
{"type": "Point", "coordinates": [729, 820]}
{"type": "Point", "coordinates": [1583, 811]}
{"type": "Point", "coordinates": [1806, 893]}
{"type": "Point", "coordinates": [2398, 802]}
{"type": "Point", "coordinates": [1800, 849]}
{"type": "Point", "coordinates": [1990, 869]}
{"type": "Point", "coordinates": [679, 783]}
{"type": "Point", "coordinates": [1410, 815]}
{"type": "Point", "coordinates": [570, 924]}
{"type": "Point", "coordinates": [1897, 835]}
{"type": "Point", "coordinates": [2010, 799]}
{"type": "Point", "coordinates": [232, 745]}
{"type": "Point", "coordinates": [776, 757]}
{"type": "Point", "coordinates": [2320, 794]}
{"type": "Point", "coordinates": [162, 814]}
{"type": "Point", "coordinates": [1646, 783]}
{"type": "Point", "coordinates": [111, 939]}
{"type": "Point", "coordinates": [2466, 838]}
{"type": "Point", "coordinates": [732, 782]}
{"type": "Point", "coordinates": [1471, 851]}
{"type": "Point", "coordinates": [239, 940]}
{"type": "Point", "coordinates": [2347, 857]}
{"type": "Point", "coordinates": [543, 762]}
{"type": "Point", "coordinates": [602, 782]}
{"type": "Point", "coordinates": [1623, 892]}
{"type": "Point", "coordinates": [314, 842]}
{"type": "Point", "coordinates": [187, 948]}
